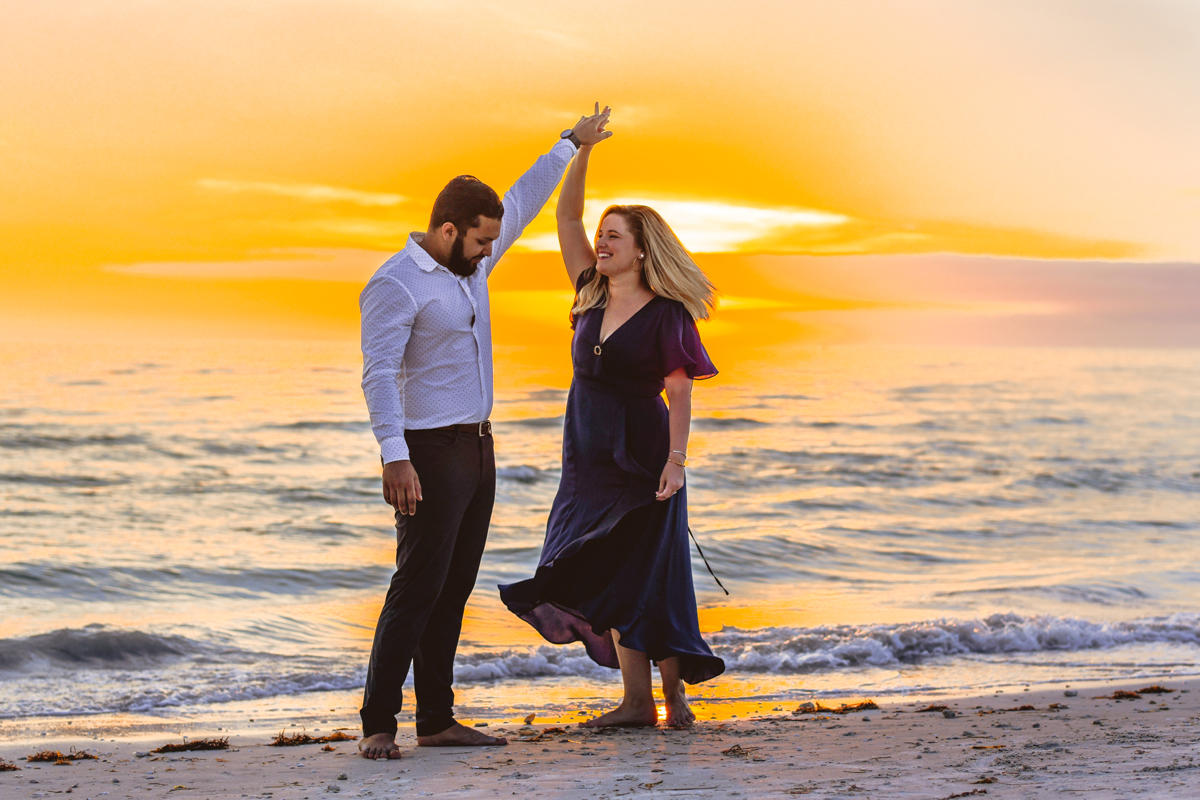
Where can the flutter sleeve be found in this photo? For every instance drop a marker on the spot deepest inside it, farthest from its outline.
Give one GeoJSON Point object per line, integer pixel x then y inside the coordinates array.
{"type": "Point", "coordinates": [680, 345]}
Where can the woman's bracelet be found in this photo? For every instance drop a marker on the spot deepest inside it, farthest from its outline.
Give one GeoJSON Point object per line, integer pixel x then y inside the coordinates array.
{"type": "Point", "coordinates": [673, 461]}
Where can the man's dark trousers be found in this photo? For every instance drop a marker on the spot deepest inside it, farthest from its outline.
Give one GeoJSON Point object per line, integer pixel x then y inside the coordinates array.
{"type": "Point", "coordinates": [438, 551]}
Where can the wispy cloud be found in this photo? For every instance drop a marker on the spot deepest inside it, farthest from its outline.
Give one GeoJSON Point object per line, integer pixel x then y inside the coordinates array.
{"type": "Point", "coordinates": [707, 226]}
{"type": "Point", "coordinates": [710, 226]}
{"type": "Point", "coordinates": [559, 38]}
{"type": "Point", "coordinates": [309, 192]}
{"type": "Point", "coordinates": [321, 264]}
{"type": "Point", "coordinates": [727, 302]}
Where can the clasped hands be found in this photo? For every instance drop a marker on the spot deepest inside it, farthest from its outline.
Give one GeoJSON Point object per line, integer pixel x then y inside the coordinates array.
{"type": "Point", "coordinates": [590, 129]}
{"type": "Point", "coordinates": [401, 485]}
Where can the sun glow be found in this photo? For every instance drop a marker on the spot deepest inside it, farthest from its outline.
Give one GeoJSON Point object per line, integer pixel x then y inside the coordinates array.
{"type": "Point", "coordinates": [163, 153]}
{"type": "Point", "coordinates": [706, 226]}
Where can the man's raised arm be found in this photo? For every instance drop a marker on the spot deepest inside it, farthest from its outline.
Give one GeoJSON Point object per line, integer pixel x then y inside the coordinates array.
{"type": "Point", "coordinates": [529, 194]}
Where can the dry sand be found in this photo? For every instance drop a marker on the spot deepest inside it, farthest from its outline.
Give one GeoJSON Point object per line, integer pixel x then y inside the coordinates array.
{"type": "Point", "coordinates": [1087, 747]}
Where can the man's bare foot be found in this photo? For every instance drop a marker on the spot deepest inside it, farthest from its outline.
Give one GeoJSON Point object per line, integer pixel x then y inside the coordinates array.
{"type": "Point", "coordinates": [679, 713]}
{"type": "Point", "coordinates": [379, 745]}
{"type": "Point", "coordinates": [626, 715]}
{"type": "Point", "coordinates": [458, 735]}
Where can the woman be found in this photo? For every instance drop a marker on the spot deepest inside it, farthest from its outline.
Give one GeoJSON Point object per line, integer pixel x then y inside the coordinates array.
{"type": "Point", "coordinates": [615, 570]}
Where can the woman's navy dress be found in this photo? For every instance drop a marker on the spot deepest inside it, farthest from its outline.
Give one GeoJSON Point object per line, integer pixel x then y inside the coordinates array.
{"type": "Point", "coordinates": [614, 557]}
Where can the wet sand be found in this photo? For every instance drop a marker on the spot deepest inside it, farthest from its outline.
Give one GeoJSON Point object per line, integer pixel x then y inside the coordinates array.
{"type": "Point", "coordinates": [1087, 746]}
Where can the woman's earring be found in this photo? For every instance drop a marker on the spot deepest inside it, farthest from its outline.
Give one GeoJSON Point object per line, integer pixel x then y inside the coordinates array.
{"type": "Point", "coordinates": [641, 255]}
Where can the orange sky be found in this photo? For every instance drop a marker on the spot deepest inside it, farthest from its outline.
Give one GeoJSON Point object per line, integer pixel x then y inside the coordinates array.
{"type": "Point", "coordinates": [247, 164]}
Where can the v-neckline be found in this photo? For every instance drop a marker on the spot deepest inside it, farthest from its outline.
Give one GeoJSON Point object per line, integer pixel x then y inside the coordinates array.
{"type": "Point", "coordinates": [604, 339]}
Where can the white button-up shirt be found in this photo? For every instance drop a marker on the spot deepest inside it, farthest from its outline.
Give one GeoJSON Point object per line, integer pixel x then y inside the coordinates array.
{"type": "Point", "coordinates": [427, 333]}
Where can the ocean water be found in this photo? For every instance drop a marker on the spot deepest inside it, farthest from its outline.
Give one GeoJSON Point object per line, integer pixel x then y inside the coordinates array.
{"type": "Point", "coordinates": [195, 531]}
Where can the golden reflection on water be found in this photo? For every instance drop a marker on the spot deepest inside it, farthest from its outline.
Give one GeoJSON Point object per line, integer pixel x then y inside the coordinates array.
{"type": "Point", "coordinates": [809, 610]}
{"type": "Point", "coordinates": [815, 400]}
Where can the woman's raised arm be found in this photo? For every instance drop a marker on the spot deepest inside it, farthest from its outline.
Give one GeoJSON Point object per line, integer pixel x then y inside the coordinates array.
{"type": "Point", "coordinates": [573, 239]}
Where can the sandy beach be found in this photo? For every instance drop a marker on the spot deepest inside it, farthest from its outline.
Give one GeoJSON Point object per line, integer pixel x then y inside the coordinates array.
{"type": "Point", "coordinates": [906, 307]}
{"type": "Point", "coordinates": [1046, 742]}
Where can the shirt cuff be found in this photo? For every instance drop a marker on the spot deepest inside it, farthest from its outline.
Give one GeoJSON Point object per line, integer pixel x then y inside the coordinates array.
{"type": "Point", "coordinates": [394, 448]}
{"type": "Point", "coordinates": [570, 148]}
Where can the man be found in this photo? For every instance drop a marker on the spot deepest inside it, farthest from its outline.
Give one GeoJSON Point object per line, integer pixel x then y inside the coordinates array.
{"type": "Point", "coordinates": [427, 377]}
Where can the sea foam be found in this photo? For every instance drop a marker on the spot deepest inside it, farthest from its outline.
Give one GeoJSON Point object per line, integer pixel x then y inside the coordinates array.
{"type": "Point", "coordinates": [107, 670]}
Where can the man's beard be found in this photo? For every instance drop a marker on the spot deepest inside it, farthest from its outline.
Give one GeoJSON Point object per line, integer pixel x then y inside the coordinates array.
{"type": "Point", "coordinates": [456, 262]}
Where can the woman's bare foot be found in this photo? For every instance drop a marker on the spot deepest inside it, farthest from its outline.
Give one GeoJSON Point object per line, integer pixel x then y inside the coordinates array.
{"type": "Point", "coordinates": [679, 713]}
{"type": "Point", "coordinates": [458, 735]}
{"type": "Point", "coordinates": [379, 745]}
{"type": "Point", "coordinates": [626, 715]}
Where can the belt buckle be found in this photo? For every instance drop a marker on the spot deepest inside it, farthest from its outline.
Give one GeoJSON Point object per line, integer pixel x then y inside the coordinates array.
{"type": "Point", "coordinates": [485, 428]}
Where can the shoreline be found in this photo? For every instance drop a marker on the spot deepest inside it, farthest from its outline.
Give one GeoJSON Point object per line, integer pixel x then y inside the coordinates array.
{"type": "Point", "coordinates": [1089, 743]}
{"type": "Point", "coordinates": [311, 712]}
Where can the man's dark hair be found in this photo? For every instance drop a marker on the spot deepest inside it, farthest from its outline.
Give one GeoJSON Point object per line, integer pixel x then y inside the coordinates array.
{"type": "Point", "coordinates": [464, 200]}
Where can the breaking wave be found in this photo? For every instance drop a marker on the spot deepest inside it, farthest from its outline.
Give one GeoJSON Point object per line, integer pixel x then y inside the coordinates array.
{"type": "Point", "coordinates": [525, 473]}
{"type": "Point", "coordinates": [110, 670]}
{"type": "Point", "coordinates": [803, 650]}
{"type": "Point", "coordinates": [94, 646]}
{"type": "Point", "coordinates": [828, 648]}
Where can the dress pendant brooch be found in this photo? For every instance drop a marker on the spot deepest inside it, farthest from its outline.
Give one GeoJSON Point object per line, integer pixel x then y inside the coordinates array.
{"type": "Point", "coordinates": [596, 349]}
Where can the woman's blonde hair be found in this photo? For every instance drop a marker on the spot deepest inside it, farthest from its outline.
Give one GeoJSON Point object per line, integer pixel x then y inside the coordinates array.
{"type": "Point", "coordinates": [669, 268]}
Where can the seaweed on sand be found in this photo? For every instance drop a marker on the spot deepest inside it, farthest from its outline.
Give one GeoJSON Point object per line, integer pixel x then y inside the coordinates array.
{"type": "Point", "coordinates": [195, 744]}
{"type": "Point", "coordinates": [60, 758]}
{"type": "Point", "coordinates": [544, 735]}
{"type": "Point", "coordinates": [737, 751]}
{"type": "Point", "coordinates": [1121, 694]}
{"type": "Point", "coordinates": [844, 708]}
{"type": "Point", "coordinates": [849, 708]}
{"type": "Point", "coordinates": [7, 767]}
{"type": "Point", "coordinates": [283, 739]}
{"type": "Point", "coordinates": [986, 711]}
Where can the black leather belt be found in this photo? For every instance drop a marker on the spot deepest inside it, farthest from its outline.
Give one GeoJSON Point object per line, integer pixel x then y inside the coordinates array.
{"type": "Point", "coordinates": [480, 429]}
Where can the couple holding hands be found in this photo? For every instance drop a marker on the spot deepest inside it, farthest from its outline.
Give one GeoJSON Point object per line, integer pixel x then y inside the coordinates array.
{"type": "Point", "coordinates": [615, 569]}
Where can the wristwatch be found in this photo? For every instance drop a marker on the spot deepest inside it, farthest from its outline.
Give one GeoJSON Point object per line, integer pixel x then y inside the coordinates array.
{"type": "Point", "coordinates": [569, 135]}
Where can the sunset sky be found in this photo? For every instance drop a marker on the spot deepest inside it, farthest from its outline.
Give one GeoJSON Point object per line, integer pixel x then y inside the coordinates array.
{"type": "Point", "coordinates": [1019, 172]}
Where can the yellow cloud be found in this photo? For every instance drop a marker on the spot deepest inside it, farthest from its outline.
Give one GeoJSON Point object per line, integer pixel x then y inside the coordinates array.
{"type": "Point", "coordinates": [731, 303]}
{"type": "Point", "coordinates": [371, 233]}
{"type": "Point", "coordinates": [318, 264]}
{"type": "Point", "coordinates": [711, 226]}
{"type": "Point", "coordinates": [860, 236]}
{"type": "Point", "coordinates": [704, 226]}
{"type": "Point", "coordinates": [310, 192]}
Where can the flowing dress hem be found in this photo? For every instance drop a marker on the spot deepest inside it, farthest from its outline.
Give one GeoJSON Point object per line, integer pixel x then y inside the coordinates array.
{"type": "Point", "coordinates": [694, 667]}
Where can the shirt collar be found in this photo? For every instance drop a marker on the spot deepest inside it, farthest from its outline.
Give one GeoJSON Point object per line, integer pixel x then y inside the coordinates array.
{"type": "Point", "coordinates": [417, 253]}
